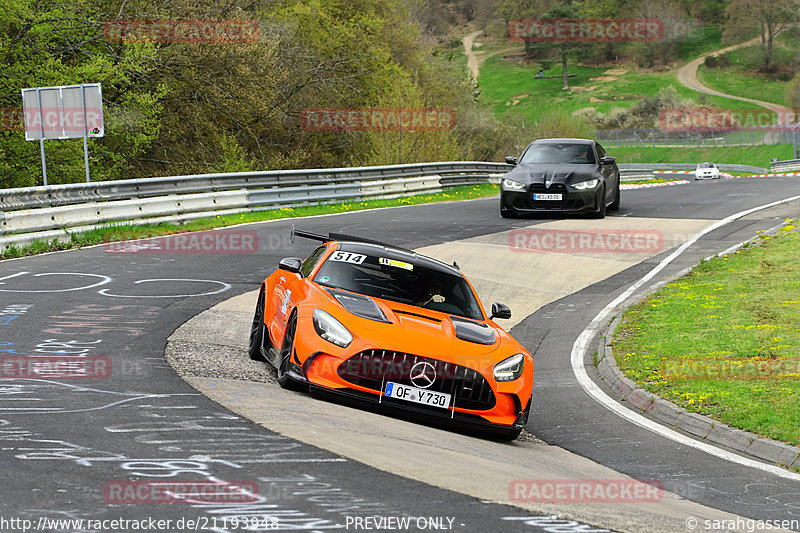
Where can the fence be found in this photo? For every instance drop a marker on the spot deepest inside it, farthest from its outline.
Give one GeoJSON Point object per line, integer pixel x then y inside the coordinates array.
{"type": "Point", "coordinates": [618, 138]}
{"type": "Point", "coordinates": [52, 212]}
{"type": "Point", "coordinates": [56, 211]}
{"type": "Point", "coordinates": [785, 166]}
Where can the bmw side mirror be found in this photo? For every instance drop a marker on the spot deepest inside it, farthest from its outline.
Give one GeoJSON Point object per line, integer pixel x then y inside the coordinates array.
{"type": "Point", "coordinates": [511, 160]}
{"type": "Point", "coordinates": [292, 264]}
{"type": "Point", "coordinates": [500, 311]}
{"type": "Point", "coordinates": [607, 159]}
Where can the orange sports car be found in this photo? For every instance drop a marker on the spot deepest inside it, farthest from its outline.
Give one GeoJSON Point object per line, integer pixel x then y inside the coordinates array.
{"type": "Point", "coordinates": [381, 324]}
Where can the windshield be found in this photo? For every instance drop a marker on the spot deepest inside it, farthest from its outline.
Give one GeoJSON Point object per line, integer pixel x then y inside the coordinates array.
{"type": "Point", "coordinates": [399, 281]}
{"type": "Point", "coordinates": [706, 165]}
{"type": "Point", "coordinates": [552, 153]}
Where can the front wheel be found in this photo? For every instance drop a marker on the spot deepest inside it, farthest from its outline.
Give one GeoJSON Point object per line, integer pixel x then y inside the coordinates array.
{"type": "Point", "coordinates": [615, 204]}
{"type": "Point", "coordinates": [285, 356]}
{"type": "Point", "coordinates": [254, 349]}
{"type": "Point", "coordinates": [601, 210]}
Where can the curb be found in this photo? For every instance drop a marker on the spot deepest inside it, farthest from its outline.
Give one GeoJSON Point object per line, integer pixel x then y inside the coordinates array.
{"type": "Point", "coordinates": [673, 416]}
{"type": "Point", "coordinates": [631, 186]}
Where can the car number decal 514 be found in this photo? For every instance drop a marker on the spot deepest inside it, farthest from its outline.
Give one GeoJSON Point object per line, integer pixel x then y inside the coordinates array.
{"type": "Point", "coordinates": [348, 257]}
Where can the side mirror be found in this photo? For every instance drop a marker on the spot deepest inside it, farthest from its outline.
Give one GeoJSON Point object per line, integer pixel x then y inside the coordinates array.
{"type": "Point", "coordinates": [500, 311]}
{"type": "Point", "coordinates": [607, 160]}
{"type": "Point", "coordinates": [292, 264]}
{"type": "Point", "coordinates": [511, 160]}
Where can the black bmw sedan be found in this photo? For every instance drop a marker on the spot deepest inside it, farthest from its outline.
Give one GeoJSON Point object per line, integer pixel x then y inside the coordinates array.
{"type": "Point", "coordinates": [561, 175]}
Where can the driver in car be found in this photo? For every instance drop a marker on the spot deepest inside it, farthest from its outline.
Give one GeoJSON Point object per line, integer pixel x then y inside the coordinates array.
{"type": "Point", "coordinates": [432, 290]}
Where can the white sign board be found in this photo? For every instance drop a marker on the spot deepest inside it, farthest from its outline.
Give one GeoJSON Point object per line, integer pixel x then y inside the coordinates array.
{"type": "Point", "coordinates": [67, 112]}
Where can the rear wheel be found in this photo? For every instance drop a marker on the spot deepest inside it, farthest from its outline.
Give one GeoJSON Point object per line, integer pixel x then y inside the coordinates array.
{"type": "Point", "coordinates": [257, 331]}
{"type": "Point", "coordinates": [285, 356]}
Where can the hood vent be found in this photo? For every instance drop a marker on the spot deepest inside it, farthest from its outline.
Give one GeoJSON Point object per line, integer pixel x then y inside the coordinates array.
{"type": "Point", "coordinates": [359, 305]}
{"type": "Point", "coordinates": [470, 331]}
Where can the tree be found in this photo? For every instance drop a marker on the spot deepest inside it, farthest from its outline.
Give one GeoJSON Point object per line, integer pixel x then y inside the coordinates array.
{"type": "Point", "coordinates": [793, 93]}
{"type": "Point", "coordinates": [770, 17]}
{"type": "Point", "coordinates": [52, 42]}
{"type": "Point", "coordinates": [561, 10]}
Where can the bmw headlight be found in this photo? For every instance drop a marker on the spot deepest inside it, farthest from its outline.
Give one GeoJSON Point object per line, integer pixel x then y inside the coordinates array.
{"type": "Point", "coordinates": [584, 185]}
{"type": "Point", "coordinates": [512, 185]}
{"type": "Point", "coordinates": [331, 329]}
{"type": "Point", "coordinates": [510, 369]}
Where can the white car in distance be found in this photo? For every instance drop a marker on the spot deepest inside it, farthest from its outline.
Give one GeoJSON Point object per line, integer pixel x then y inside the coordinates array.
{"type": "Point", "coordinates": [706, 171]}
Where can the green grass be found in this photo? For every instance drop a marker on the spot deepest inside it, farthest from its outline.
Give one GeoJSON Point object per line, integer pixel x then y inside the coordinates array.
{"type": "Point", "coordinates": [654, 180]}
{"type": "Point", "coordinates": [504, 81]}
{"type": "Point", "coordinates": [758, 155]}
{"type": "Point", "coordinates": [121, 231]}
{"type": "Point", "coordinates": [739, 80]}
{"type": "Point", "coordinates": [724, 341]}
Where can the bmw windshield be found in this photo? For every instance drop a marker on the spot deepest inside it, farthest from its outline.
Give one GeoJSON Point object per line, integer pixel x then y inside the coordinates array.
{"type": "Point", "coordinates": [559, 153]}
{"type": "Point", "coordinates": [399, 281]}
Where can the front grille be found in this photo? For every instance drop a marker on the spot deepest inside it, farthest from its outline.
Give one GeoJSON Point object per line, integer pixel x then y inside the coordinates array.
{"type": "Point", "coordinates": [373, 368]}
{"type": "Point", "coordinates": [528, 202]}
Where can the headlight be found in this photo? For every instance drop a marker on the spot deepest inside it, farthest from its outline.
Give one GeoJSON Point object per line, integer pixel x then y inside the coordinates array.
{"type": "Point", "coordinates": [513, 185]}
{"type": "Point", "coordinates": [331, 329]}
{"type": "Point", "coordinates": [510, 369]}
{"type": "Point", "coordinates": [583, 185]}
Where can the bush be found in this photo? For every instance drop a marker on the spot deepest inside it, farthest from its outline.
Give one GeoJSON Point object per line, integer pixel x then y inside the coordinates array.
{"type": "Point", "coordinates": [720, 61]}
{"type": "Point", "coordinates": [793, 93]}
{"type": "Point", "coordinates": [643, 114]}
{"type": "Point", "coordinates": [496, 29]}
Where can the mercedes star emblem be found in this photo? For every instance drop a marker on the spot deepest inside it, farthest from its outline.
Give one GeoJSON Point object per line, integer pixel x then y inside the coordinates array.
{"type": "Point", "coordinates": [423, 375]}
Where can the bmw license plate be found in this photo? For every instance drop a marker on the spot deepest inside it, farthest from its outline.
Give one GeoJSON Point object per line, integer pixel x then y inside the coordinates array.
{"type": "Point", "coordinates": [547, 196]}
{"type": "Point", "coordinates": [413, 394]}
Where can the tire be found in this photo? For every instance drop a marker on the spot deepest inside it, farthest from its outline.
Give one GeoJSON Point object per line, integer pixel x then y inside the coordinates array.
{"type": "Point", "coordinates": [257, 330]}
{"type": "Point", "coordinates": [615, 204]}
{"type": "Point", "coordinates": [601, 212]}
{"type": "Point", "coordinates": [285, 355]}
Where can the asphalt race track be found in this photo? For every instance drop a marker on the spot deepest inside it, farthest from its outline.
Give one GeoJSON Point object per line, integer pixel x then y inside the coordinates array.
{"type": "Point", "coordinates": [68, 444]}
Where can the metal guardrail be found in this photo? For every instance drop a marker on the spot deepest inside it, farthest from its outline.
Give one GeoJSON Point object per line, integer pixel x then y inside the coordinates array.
{"type": "Point", "coordinates": [785, 166]}
{"type": "Point", "coordinates": [74, 193]}
{"type": "Point", "coordinates": [725, 167]}
{"type": "Point", "coordinates": [55, 211]}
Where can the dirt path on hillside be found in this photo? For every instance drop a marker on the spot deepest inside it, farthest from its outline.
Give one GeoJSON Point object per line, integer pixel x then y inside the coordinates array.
{"type": "Point", "coordinates": [687, 76]}
{"type": "Point", "coordinates": [473, 60]}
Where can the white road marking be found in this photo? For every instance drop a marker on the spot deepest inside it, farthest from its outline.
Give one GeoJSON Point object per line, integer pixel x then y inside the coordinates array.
{"type": "Point", "coordinates": [225, 287]}
{"type": "Point", "coordinates": [103, 281]}
{"type": "Point", "coordinates": [582, 343]}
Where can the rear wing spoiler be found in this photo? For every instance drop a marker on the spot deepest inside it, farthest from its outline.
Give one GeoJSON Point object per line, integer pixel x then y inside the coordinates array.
{"type": "Point", "coordinates": [293, 232]}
